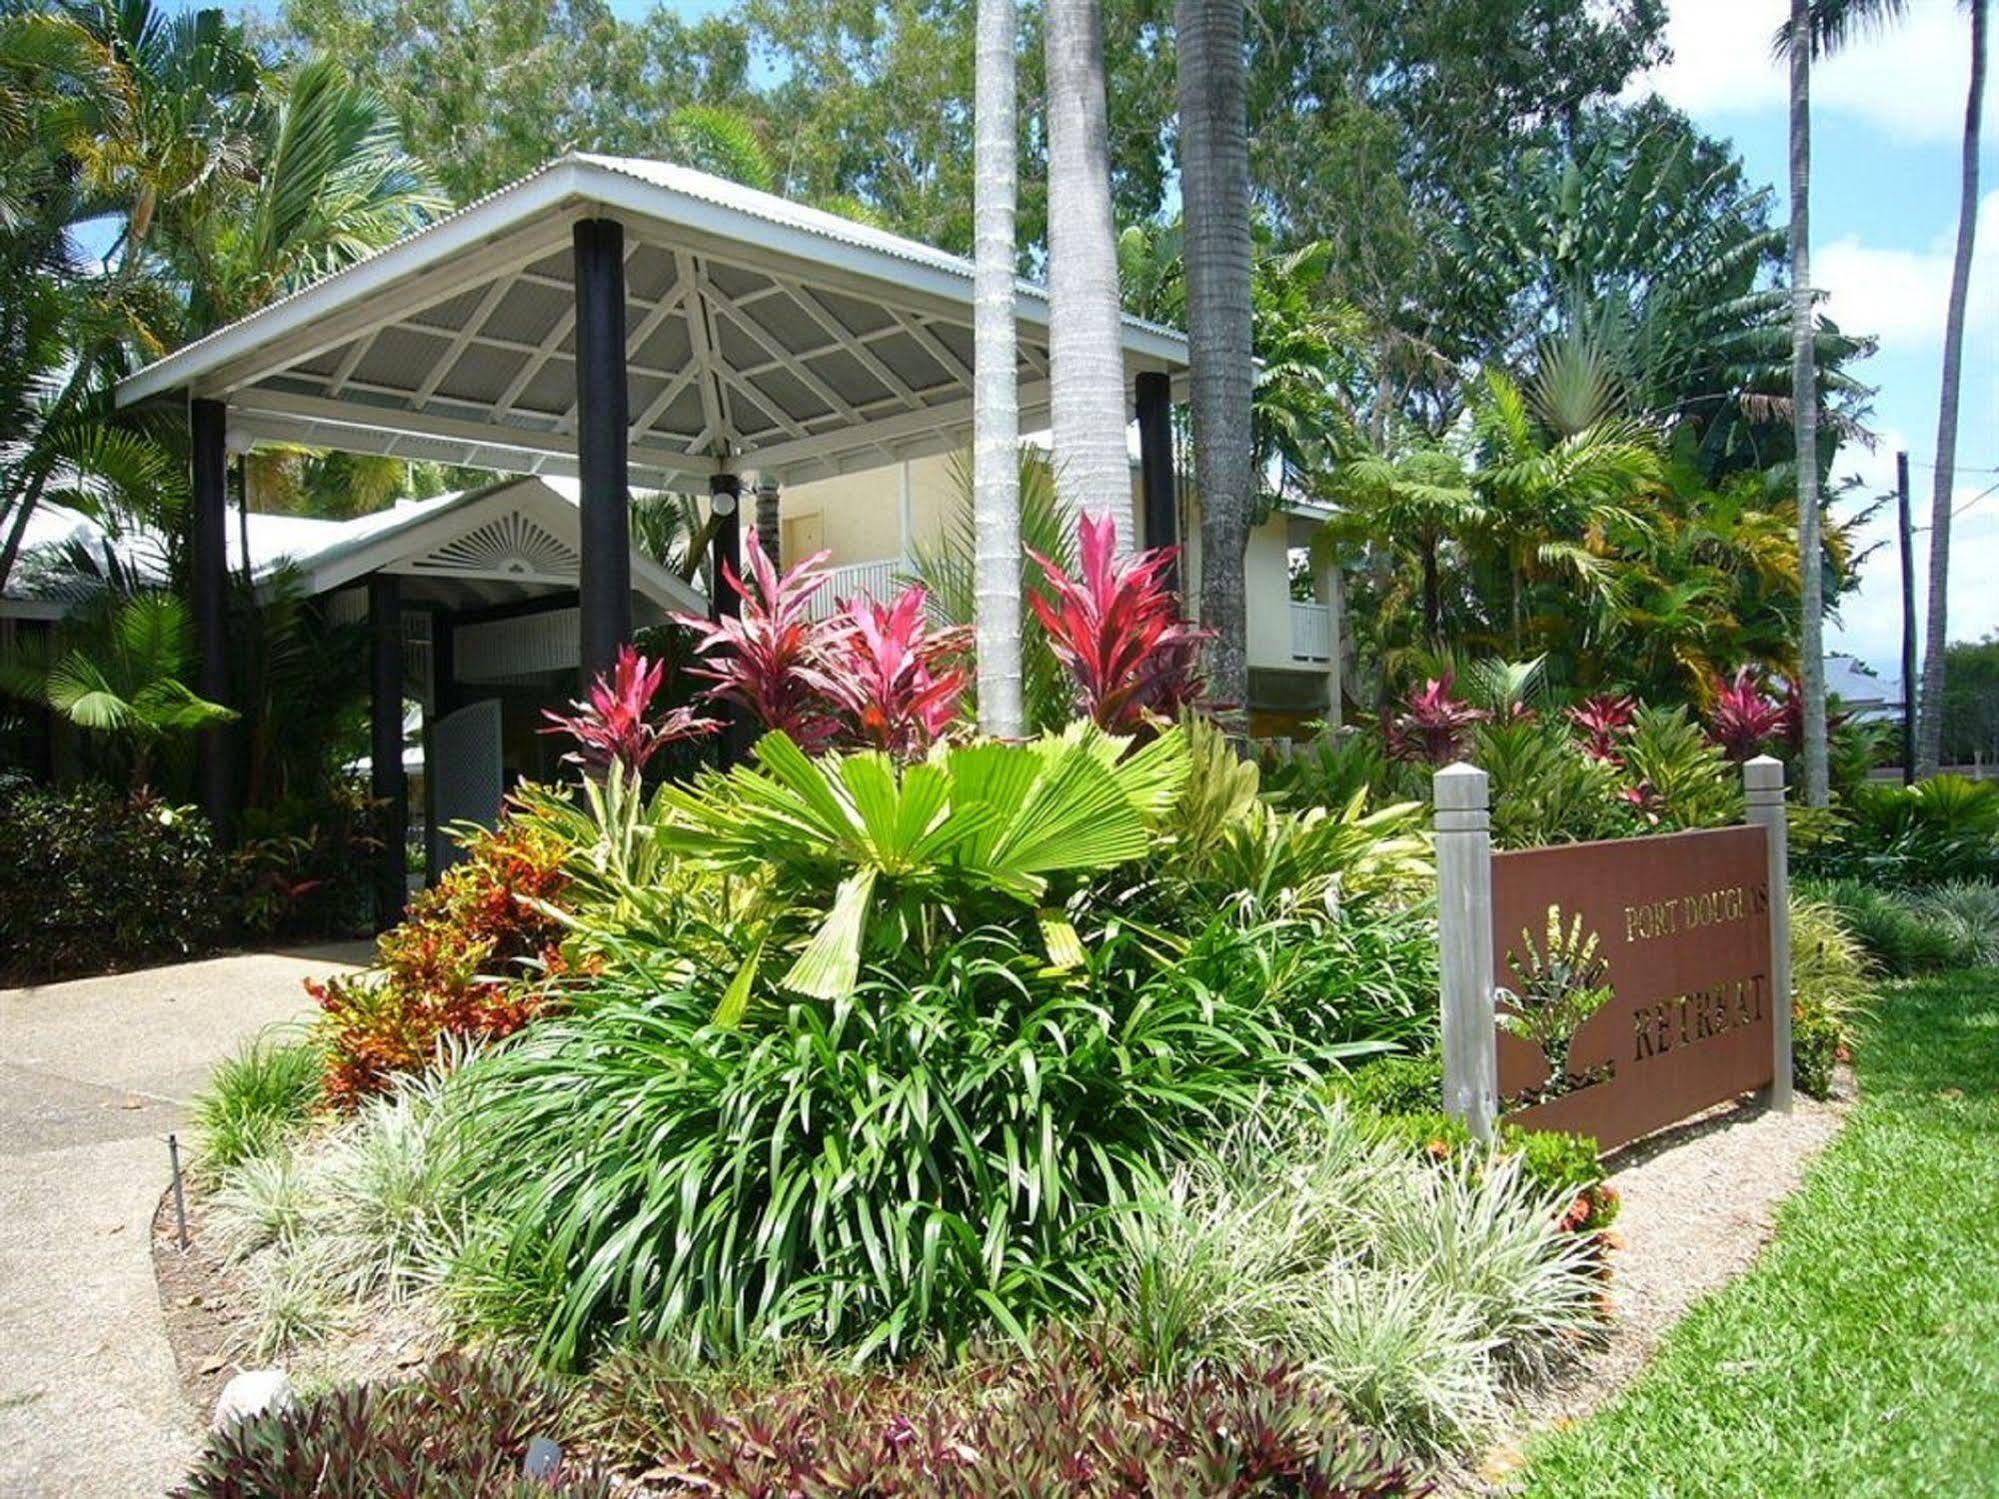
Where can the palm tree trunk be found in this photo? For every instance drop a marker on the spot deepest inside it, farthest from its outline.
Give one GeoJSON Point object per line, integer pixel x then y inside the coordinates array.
{"type": "Point", "coordinates": [1433, 594]}
{"type": "Point", "coordinates": [996, 584]}
{"type": "Point", "coordinates": [1214, 193]}
{"type": "Point", "coordinates": [1086, 334]}
{"type": "Point", "coordinates": [1805, 410]}
{"type": "Point", "coordinates": [1936, 636]}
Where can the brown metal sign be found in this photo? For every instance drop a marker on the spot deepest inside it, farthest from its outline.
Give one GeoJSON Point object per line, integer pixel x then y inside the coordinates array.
{"type": "Point", "coordinates": [1634, 980]}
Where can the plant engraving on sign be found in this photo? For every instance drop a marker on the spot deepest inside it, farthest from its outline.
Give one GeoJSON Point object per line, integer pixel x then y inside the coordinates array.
{"type": "Point", "coordinates": [1558, 986]}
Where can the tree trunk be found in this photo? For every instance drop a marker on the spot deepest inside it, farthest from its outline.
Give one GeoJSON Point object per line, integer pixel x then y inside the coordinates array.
{"type": "Point", "coordinates": [1214, 194]}
{"type": "Point", "coordinates": [1086, 334]}
{"type": "Point", "coordinates": [1433, 593]}
{"type": "Point", "coordinates": [1936, 636]}
{"type": "Point", "coordinates": [1805, 411]}
{"type": "Point", "coordinates": [996, 585]}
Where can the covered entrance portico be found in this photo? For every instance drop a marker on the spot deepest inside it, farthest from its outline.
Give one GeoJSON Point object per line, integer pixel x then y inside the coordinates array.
{"type": "Point", "coordinates": [472, 604]}
{"type": "Point", "coordinates": [627, 323]}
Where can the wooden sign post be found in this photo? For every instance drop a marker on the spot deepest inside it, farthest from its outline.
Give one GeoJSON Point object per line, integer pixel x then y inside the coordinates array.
{"type": "Point", "coordinates": [1612, 988]}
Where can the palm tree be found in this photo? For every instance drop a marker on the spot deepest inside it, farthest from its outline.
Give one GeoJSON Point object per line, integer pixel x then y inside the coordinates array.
{"type": "Point", "coordinates": [1805, 409]}
{"type": "Point", "coordinates": [1085, 344]}
{"type": "Point", "coordinates": [995, 396]}
{"type": "Point", "coordinates": [1834, 23]}
{"type": "Point", "coordinates": [121, 671]}
{"type": "Point", "coordinates": [328, 184]}
{"type": "Point", "coordinates": [1214, 192]}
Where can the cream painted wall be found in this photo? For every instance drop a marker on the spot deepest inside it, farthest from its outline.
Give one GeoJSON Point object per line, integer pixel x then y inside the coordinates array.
{"type": "Point", "coordinates": [860, 521]}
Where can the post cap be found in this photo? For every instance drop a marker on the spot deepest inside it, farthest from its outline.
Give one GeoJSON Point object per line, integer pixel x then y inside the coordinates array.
{"type": "Point", "coordinates": [1459, 787]}
{"type": "Point", "coordinates": [1764, 773]}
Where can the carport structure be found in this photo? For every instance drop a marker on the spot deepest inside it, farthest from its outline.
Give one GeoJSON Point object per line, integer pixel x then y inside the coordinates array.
{"type": "Point", "coordinates": [630, 323]}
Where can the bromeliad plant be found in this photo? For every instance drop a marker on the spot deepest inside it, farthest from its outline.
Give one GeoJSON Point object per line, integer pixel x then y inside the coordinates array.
{"type": "Point", "coordinates": [1435, 726]}
{"type": "Point", "coordinates": [1118, 631]}
{"type": "Point", "coordinates": [1745, 718]}
{"type": "Point", "coordinates": [892, 676]}
{"type": "Point", "coordinates": [616, 725]}
{"type": "Point", "coordinates": [768, 659]}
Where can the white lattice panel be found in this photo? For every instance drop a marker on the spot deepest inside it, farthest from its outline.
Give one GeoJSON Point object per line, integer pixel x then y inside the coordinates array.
{"type": "Point", "coordinates": [503, 648]}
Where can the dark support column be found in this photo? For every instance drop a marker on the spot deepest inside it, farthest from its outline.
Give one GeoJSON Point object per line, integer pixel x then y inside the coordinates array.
{"type": "Point", "coordinates": [208, 568]}
{"type": "Point", "coordinates": [725, 499]}
{"type": "Point", "coordinates": [444, 700]}
{"type": "Point", "coordinates": [385, 744]}
{"type": "Point", "coordinates": [770, 523]}
{"type": "Point", "coordinates": [602, 417]}
{"type": "Point", "coordinates": [725, 555]}
{"type": "Point", "coordinates": [1155, 462]}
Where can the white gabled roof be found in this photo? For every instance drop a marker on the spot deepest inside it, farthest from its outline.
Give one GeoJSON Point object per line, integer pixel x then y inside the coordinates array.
{"type": "Point", "coordinates": [760, 333]}
{"type": "Point", "coordinates": [519, 531]}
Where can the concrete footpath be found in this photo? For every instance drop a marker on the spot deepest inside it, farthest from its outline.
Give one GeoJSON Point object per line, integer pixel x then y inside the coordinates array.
{"type": "Point", "coordinates": [93, 1074]}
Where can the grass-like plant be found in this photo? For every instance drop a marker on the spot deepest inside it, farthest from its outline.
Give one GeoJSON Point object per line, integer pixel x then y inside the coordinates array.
{"type": "Point", "coordinates": [1892, 925]}
{"type": "Point", "coordinates": [928, 1155]}
{"type": "Point", "coordinates": [1969, 911]}
{"type": "Point", "coordinates": [1413, 1291]}
{"type": "Point", "coordinates": [256, 1101]}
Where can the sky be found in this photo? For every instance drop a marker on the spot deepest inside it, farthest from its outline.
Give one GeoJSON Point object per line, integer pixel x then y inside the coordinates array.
{"type": "Point", "coordinates": [1887, 128]}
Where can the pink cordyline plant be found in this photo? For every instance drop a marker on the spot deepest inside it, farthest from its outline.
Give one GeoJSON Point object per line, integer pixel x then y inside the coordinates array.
{"type": "Point", "coordinates": [1118, 631]}
{"type": "Point", "coordinates": [1601, 720]}
{"type": "Point", "coordinates": [1435, 727]}
{"type": "Point", "coordinates": [612, 725]}
{"type": "Point", "coordinates": [768, 660]}
{"type": "Point", "coordinates": [1744, 717]}
{"type": "Point", "coordinates": [891, 675]}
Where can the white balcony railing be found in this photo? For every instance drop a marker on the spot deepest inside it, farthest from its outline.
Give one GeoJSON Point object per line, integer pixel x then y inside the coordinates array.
{"type": "Point", "coordinates": [1311, 632]}
{"type": "Point", "coordinates": [877, 580]}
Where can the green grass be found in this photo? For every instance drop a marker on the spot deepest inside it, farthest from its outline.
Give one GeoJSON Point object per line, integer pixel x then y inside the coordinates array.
{"type": "Point", "coordinates": [1861, 1355]}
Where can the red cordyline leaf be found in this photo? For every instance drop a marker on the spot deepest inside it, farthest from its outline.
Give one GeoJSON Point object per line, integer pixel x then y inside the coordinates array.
{"type": "Point", "coordinates": [891, 674]}
{"type": "Point", "coordinates": [1744, 718]}
{"type": "Point", "coordinates": [612, 724]}
{"type": "Point", "coordinates": [1435, 727]}
{"type": "Point", "coordinates": [1602, 719]}
{"type": "Point", "coordinates": [769, 659]}
{"type": "Point", "coordinates": [1118, 631]}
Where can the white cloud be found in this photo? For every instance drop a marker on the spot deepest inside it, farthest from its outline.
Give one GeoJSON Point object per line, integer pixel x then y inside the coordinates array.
{"type": "Point", "coordinates": [1909, 79]}
{"type": "Point", "coordinates": [1901, 295]}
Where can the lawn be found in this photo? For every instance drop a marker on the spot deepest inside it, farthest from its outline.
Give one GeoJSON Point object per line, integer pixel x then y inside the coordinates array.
{"type": "Point", "coordinates": [1861, 1356]}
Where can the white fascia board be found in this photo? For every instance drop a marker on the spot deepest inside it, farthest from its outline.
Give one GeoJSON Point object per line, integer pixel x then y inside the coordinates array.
{"type": "Point", "coordinates": [302, 314]}
{"type": "Point", "coordinates": [738, 230]}
{"type": "Point", "coordinates": [377, 290]}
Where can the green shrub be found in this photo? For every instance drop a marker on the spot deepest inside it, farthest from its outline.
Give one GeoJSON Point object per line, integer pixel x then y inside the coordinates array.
{"type": "Point", "coordinates": [1414, 1291]}
{"type": "Point", "coordinates": [928, 1154]}
{"type": "Point", "coordinates": [459, 1430]}
{"type": "Point", "coordinates": [1938, 831]}
{"type": "Point", "coordinates": [1831, 981]}
{"type": "Point", "coordinates": [1816, 1044]}
{"type": "Point", "coordinates": [1969, 911]}
{"type": "Point", "coordinates": [256, 1101]}
{"type": "Point", "coordinates": [96, 881]}
{"type": "Point", "coordinates": [1064, 1417]}
{"type": "Point", "coordinates": [1394, 1085]}
{"type": "Point", "coordinates": [1890, 926]}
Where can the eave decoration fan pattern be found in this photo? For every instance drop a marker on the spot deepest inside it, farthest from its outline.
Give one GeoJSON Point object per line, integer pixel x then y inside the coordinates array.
{"type": "Point", "coordinates": [508, 546]}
